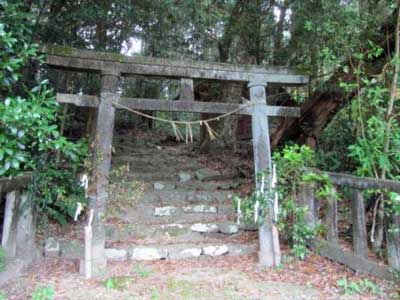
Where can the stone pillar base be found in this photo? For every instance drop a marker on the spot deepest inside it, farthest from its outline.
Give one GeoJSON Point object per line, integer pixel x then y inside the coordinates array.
{"type": "Point", "coordinates": [95, 263]}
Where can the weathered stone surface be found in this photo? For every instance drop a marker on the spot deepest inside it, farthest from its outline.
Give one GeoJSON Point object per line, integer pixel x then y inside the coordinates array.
{"type": "Point", "coordinates": [148, 253]}
{"type": "Point", "coordinates": [184, 251]}
{"type": "Point", "coordinates": [200, 209]}
{"type": "Point", "coordinates": [116, 254]}
{"type": "Point", "coordinates": [52, 247]}
{"type": "Point", "coordinates": [72, 250]}
{"type": "Point", "coordinates": [158, 186]}
{"type": "Point", "coordinates": [207, 174]}
{"type": "Point", "coordinates": [215, 250]}
{"type": "Point", "coordinates": [242, 249]}
{"type": "Point", "coordinates": [360, 237]}
{"type": "Point", "coordinates": [204, 228]}
{"type": "Point", "coordinates": [9, 241]}
{"type": "Point", "coordinates": [174, 230]}
{"type": "Point", "coordinates": [165, 211]}
{"type": "Point", "coordinates": [15, 268]}
{"type": "Point", "coordinates": [352, 260]}
{"type": "Point", "coordinates": [184, 176]}
{"type": "Point", "coordinates": [199, 197]}
{"type": "Point", "coordinates": [90, 60]}
{"type": "Point", "coordinates": [164, 186]}
{"type": "Point", "coordinates": [228, 228]}
{"type": "Point", "coordinates": [26, 230]}
{"type": "Point", "coordinates": [166, 226]}
{"type": "Point", "coordinates": [248, 227]}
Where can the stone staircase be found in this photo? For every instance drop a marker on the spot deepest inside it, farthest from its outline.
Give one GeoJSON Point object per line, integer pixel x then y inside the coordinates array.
{"type": "Point", "coordinates": [184, 211]}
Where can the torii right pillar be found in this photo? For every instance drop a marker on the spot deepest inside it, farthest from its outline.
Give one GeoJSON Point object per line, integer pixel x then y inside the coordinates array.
{"type": "Point", "coordinates": [269, 249]}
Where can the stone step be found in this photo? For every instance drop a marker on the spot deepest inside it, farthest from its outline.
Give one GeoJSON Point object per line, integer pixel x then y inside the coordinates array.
{"type": "Point", "coordinates": [124, 252]}
{"type": "Point", "coordinates": [172, 175]}
{"type": "Point", "coordinates": [152, 176]}
{"type": "Point", "coordinates": [159, 157]}
{"type": "Point", "coordinates": [185, 198]}
{"type": "Point", "coordinates": [151, 164]}
{"type": "Point", "coordinates": [197, 185]}
{"type": "Point", "coordinates": [146, 214]}
{"type": "Point", "coordinates": [177, 232]}
{"type": "Point", "coordinates": [178, 251]}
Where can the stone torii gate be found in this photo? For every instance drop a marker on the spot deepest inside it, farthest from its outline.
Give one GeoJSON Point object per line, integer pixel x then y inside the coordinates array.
{"type": "Point", "coordinates": [113, 66]}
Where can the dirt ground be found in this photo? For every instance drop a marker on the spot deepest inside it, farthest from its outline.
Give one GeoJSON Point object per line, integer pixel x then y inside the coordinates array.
{"type": "Point", "coordinates": [230, 278]}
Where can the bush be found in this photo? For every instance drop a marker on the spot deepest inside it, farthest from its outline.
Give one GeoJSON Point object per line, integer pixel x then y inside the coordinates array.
{"type": "Point", "coordinates": [3, 260]}
{"type": "Point", "coordinates": [30, 139]}
{"type": "Point", "coordinates": [43, 293]}
{"type": "Point", "coordinates": [293, 164]}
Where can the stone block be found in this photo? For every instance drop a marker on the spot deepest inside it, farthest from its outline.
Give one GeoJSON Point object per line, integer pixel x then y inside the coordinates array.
{"type": "Point", "coordinates": [52, 247]}
{"type": "Point", "coordinates": [200, 209]}
{"type": "Point", "coordinates": [184, 251]}
{"type": "Point", "coordinates": [72, 250]}
{"type": "Point", "coordinates": [207, 174]}
{"type": "Point", "coordinates": [184, 176]}
{"type": "Point", "coordinates": [238, 249]}
{"type": "Point", "coordinates": [165, 211]}
{"type": "Point", "coordinates": [228, 228]}
{"type": "Point", "coordinates": [215, 250]}
{"type": "Point", "coordinates": [164, 186]}
{"type": "Point", "coordinates": [116, 254]}
{"type": "Point", "coordinates": [204, 228]}
{"type": "Point", "coordinates": [148, 253]}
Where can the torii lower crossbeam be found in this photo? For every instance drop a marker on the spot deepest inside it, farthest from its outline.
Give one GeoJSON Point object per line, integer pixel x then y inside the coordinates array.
{"type": "Point", "coordinates": [181, 105]}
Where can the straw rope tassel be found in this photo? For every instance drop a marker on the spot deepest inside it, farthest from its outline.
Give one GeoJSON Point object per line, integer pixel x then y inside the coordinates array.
{"type": "Point", "coordinates": [213, 135]}
{"type": "Point", "coordinates": [190, 132]}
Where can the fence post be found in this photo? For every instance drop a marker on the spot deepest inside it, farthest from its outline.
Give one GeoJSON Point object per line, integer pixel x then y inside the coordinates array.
{"type": "Point", "coordinates": [331, 219]}
{"type": "Point", "coordinates": [393, 241]}
{"type": "Point", "coordinates": [8, 240]}
{"type": "Point", "coordinates": [26, 229]}
{"type": "Point", "coordinates": [360, 245]}
{"type": "Point", "coordinates": [306, 198]}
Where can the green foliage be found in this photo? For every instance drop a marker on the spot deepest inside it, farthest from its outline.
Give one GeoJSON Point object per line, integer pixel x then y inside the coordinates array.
{"type": "Point", "coordinates": [293, 164]}
{"type": "Point", "coordinates": [30, 139]}
{"type": "Point", "coordinates": [324, 185]}
{"type": "Point", "coordinates": [3, 295]}
{"type": "Point", "coordinates": [142, 271]}
{"type": "Point", "coordinates": [293, 228]}
{"type": "Point", "coordinates": [247, 207]}
{"type": "Point", "coordinates": [123, 192]}
{"type": "Point", "coordinates": [29, 132]}
{"type": "Point", "coordinates": [43, 293]}
{"type": "Point", "coordinates": [56, 190]}
{"type": "Point", "coordinates": [15, 47]}
{"type": "Point", "coordinates": [377, 149]}
{"type": "Point", "coordinates": [155, 294]}
{"type": "Point", "coordinates": [361, 287]}
{"type": "Point", "coordinates": [118, 282]}
{"type": "Point", "coordinates": [3, 259]}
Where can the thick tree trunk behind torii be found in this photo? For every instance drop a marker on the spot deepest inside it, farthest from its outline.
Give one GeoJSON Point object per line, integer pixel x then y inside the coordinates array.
{"type": "Point", "coordinates": [315, 114]}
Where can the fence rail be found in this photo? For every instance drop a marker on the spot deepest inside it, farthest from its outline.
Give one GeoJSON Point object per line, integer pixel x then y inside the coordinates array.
{"type": "Point", "coordinates": [357, 258]}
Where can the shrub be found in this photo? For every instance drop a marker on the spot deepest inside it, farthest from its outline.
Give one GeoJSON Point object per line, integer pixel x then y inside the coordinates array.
{"type": "Point", "coordinates": [30, 139]}
{"type": "Point", "coordinates": [43, 293]}
{"type": "Point", "coordinates": [3, 259]}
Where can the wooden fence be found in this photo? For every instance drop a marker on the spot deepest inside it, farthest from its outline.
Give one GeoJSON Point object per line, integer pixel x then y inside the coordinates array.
{"type": "Point", "coordinates": [357, 258]}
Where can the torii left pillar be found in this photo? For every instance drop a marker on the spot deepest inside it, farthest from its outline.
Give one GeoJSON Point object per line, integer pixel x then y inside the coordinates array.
{"type": "Point", "coordinates": [269, 249]}
{"type": "Point", "coordinates": [95, 262]}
